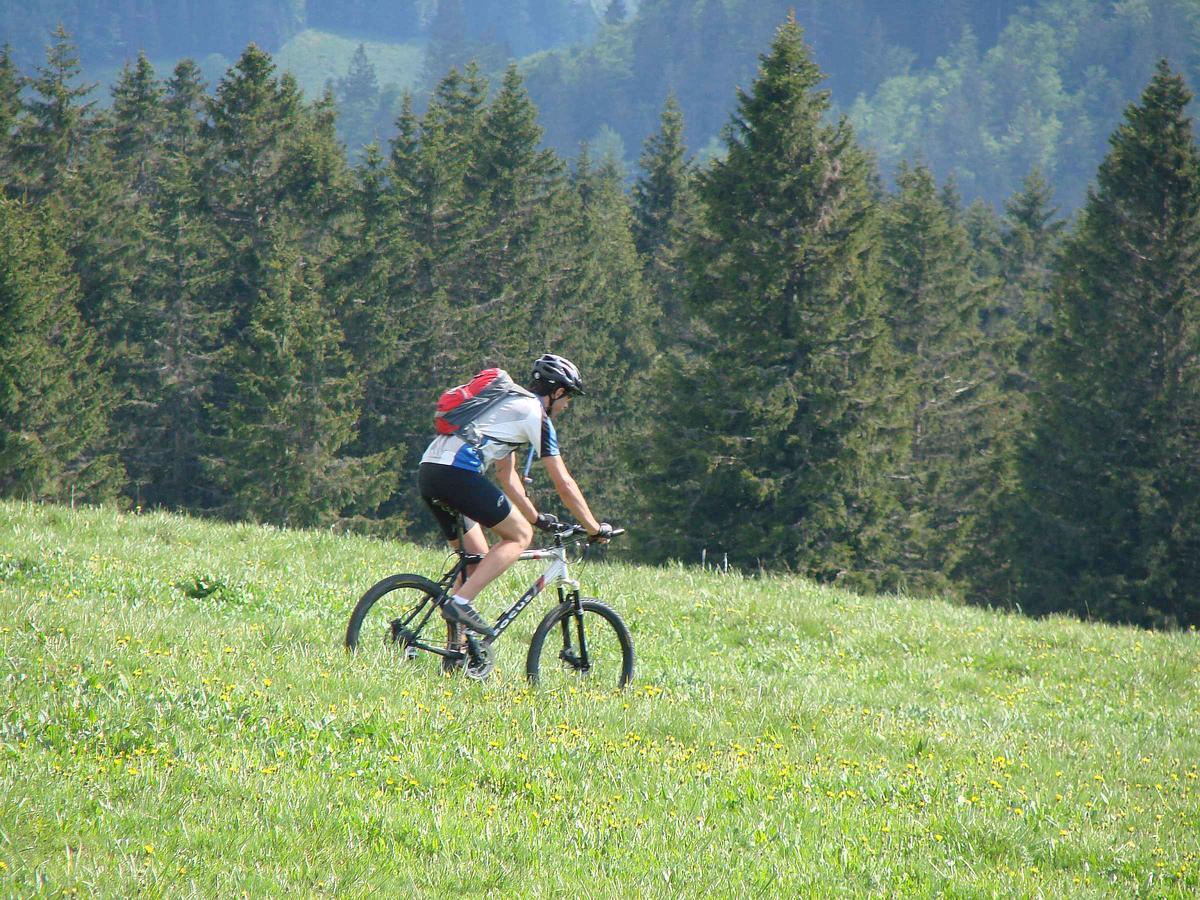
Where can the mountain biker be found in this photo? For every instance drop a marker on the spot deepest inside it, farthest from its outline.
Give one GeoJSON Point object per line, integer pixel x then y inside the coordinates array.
{"type": "Point", "coordinates": [451, 481]}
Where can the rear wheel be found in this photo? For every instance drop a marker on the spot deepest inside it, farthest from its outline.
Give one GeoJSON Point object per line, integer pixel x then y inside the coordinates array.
{"type": "Point", "coordinates": [391, 615]}
{"type": "Point", "coordinates": [571, 647]}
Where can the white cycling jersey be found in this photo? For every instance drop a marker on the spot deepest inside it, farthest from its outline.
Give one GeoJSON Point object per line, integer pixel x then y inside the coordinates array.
{"type": "Point", "coordinates": [514, 422]}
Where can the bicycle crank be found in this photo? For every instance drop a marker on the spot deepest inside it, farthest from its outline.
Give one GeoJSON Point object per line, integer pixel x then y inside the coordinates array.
{"type": "Point", "coordinates": [480, 660]}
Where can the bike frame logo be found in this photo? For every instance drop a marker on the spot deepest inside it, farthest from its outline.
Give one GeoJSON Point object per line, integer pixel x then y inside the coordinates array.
{"type": "Point", "coordinates": [556, 572]}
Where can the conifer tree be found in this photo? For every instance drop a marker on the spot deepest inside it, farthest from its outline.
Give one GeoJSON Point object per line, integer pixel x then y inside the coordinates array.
{"type": "Point", "coordinates": [292, 411]}
{"type": "Point", "coordinates": [427, 216]}
{"type": "Point", "coordinates": [934, 307]}
{"type": "Point", "coordinates": [115, 242]}
{"type": "Point", "coordinates": [170, 421]}
{"type": "Point", "coordinates": [502, 279]}
{"type": "Point", "coordinates": [371, 279]}
{"type": "Point", "coordinates": [11, 83]}
{"type": "Point", "coordinates": [1110, 524]}
{"type": "Point", "coordinates": [285, 399]}
{"type": "Point", "coordinates": [358, 95]}
{"type": "Point", "coordinates": [53, 133]}
{"type": "Point", "coordinates": [659, 192]}
{"type": "Point", "coordinates": [786, 435]}
{"type": "Point", "coordinates": [664, 208]}
{"type": "Point", "coordinates": [600, 317]}
{"type": "Point", "coordinates": [1029, 242]}
{"type": "Point", "coordinates": [615, 13]}
{"type": "Point", "coordinates": [54, 400]}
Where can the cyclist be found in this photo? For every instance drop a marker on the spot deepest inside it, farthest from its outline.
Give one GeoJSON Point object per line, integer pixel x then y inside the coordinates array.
{"type": "Point", "coordinates": [451, 481]}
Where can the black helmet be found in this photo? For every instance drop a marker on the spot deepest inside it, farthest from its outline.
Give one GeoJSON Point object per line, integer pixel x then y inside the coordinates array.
{"type": "Point", "coordinates": [551, 372]}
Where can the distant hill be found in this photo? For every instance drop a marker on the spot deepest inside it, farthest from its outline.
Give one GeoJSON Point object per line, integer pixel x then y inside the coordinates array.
{"type": "Point", "coordinates": [983, 91]}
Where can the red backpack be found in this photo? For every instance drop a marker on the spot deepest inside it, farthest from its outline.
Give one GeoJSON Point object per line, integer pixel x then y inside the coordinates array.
{"type": "Point", "coordinates": [462, 405]}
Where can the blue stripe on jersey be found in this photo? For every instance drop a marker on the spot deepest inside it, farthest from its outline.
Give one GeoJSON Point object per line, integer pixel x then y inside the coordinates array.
{"type": "Point", "coordinates": [549, 439]}
{"type": "Point", "coordinates": [468, 458]}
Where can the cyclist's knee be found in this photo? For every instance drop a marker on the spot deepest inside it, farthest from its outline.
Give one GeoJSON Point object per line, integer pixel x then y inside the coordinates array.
{"type": "Point", "coordinates": [515, 528]}
{"type": "Point", "coordinates": [525, 535]}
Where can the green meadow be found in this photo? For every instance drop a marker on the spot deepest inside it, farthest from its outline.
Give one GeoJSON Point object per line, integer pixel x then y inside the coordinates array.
{"type": "Point", "coordinates": [180, 719]}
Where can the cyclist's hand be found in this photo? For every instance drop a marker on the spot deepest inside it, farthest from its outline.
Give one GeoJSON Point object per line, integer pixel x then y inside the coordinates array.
{"type": "Point", "coordinates": [546, 522]}
{"type": "Point", "coordinates": [603, 536]}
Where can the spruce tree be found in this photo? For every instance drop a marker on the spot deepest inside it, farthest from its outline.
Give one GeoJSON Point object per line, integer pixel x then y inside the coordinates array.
{"type": "Point", "coordinates": [52, 135]}
{"type": "Point", "coordinates": [292, 410]}
{"type": "Point", "coordinates": [502, 280]}
{"type": "Point", "coordinates": [428, 218]}
{"type": "Point", "coordinates": [935, 304]}
{"type": "Point", "coordinates": [784, 440]}
{"type": "Point", "coordinates": [358, 95]}
{"type": "Point", "coordinates": [1030, 239]}
{"type": "Point", "coordinates": [1110, 523]}
{"type": "Point", "coordinates": [182, 322]}
{"type": "Point", "coordinates": [600, 316]}
{"type": "Point", "coordinates": [664, 208]}
{"type": "Point", "coordinates": [54, 400]}
{"type": "Point", "coordinates": [285, 398]}
{"type": "Point", "coordinates": [11, 83]}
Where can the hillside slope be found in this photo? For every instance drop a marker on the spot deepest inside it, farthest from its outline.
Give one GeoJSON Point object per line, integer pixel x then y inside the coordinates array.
{"type": "Point", "coordinates": [778, 737]}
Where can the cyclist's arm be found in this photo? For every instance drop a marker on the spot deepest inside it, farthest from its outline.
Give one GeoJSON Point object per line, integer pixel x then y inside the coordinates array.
{"type": "Point", "coordinates": [569, 492]}
{"type": "Point", "coordinates": [514, 487]}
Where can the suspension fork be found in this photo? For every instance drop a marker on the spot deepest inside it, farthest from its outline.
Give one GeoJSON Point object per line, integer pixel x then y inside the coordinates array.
{"type": "Point", "coordinates": [578, 642]}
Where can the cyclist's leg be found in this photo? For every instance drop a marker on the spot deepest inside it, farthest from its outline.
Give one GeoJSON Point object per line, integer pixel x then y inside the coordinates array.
{"type": "Point", "coordinates": [515, 533]}
{"type": "Point", "coordinates": [473, 541]}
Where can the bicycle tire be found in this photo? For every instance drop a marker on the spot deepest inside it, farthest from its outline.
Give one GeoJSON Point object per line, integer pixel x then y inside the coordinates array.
{"type": "Point", "coordinates": [554, 659]}
{"type": "Point", "coordinates": [403, 604]}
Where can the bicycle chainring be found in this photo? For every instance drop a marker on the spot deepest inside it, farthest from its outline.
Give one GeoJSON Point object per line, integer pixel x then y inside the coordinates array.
{"type": "Point", "coordinates": [480, 660]}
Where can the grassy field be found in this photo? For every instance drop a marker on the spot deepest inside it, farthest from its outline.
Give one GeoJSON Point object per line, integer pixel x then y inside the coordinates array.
{"type": "Point", "coordinates": [779, 740]}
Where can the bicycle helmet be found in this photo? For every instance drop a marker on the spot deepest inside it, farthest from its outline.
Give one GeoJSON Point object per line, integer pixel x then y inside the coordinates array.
{"type": "Point", "coordinates": [551, 372]}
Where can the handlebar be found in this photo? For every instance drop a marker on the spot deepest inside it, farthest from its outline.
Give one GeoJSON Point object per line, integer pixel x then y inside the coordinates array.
{"type": "Point", "coordinates": [565, 530]}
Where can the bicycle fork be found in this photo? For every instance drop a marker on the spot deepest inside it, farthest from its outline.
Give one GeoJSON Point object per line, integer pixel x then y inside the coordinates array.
{"type": "Point", "coordinates": [578, 661]}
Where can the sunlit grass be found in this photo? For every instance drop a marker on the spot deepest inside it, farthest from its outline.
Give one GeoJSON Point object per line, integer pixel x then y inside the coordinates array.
{"type": "Point", "coordinates": [180, 718]}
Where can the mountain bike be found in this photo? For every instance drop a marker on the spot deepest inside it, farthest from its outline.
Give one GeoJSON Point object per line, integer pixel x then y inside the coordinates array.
{"type": "Point", "coordinates": [579, 638]}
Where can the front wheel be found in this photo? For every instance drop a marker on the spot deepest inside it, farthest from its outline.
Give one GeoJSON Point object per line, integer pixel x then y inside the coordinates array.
{"type": "Point", "coordinates": [570, 645]}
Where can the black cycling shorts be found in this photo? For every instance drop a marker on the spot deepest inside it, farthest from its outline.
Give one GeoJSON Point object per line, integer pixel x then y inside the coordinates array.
{"type": "Point", "coordinates": [450, 491]}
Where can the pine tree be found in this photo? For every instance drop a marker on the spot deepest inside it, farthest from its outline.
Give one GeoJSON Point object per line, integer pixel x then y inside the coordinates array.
{"type": "Point", "coordinates": [934, 307]}
{"type": "Point", "coordinates": [53, 399]}
{"type": "Point", "coordinates": [785, 437]}
{"type": "Point", "coordinates": [11, 83]}
{"type": "Point", "coordinates": [1111, 511]}
{"type": "Point", "coordinates": [1029, 242]}
{"type": "Point", "coordinates": [664, 214]}
{"type": "Point", "coordinates": [358, 95]}
{"type": "Point", "coordinates": [284, 402]}
{"type": "Point", "coordinates": [600, 317]}
{"type": "Point", "coordinates": [53, 133]}
{"type": "Point", "coordinates": [182, 324]}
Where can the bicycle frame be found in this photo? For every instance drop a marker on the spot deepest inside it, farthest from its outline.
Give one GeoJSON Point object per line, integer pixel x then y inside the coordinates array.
{"type": "Point", "coordinates": [557, 574]}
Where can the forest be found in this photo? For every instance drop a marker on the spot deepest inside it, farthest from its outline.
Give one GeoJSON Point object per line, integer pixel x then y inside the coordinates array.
{"type": "Point", "coordinates": [209, 306]}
